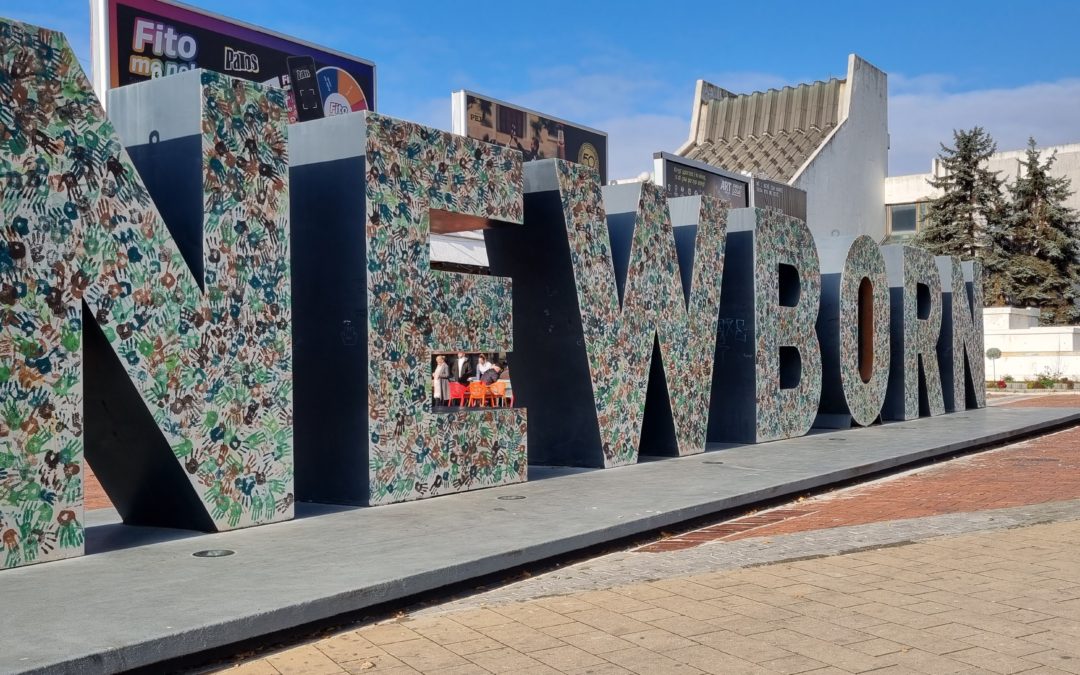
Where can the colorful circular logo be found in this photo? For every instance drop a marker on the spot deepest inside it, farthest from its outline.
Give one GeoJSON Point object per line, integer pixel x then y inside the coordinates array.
{"type": "Point", "coordinates": [588, 156]}
{"type": "Point", "coordinates": [340, 92]}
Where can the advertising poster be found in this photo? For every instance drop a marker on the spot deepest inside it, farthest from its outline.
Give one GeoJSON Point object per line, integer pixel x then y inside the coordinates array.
{"type": "Point", "coordinates": [537, 136]}
{"type": "Point", "coordinates": [136, 40]}
{"type": "Point", "coordinates": [688, 178]}
{"type": "Point", "coordinates": [790, 200]}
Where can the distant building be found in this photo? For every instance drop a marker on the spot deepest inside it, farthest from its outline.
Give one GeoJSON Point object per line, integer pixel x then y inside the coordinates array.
{"type": "Point", "coordinates": [907, 197]}
{"type": "Point", "coordinates": [828, 138]}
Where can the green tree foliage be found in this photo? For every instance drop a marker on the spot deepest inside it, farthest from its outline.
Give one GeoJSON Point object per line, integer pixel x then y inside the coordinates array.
{"type": "Point", "coordinates": [961, 219]}
{"type": "Point", "coordinates": [1040, 242]}
{"type": "Point", "coordinates": [966, 220]}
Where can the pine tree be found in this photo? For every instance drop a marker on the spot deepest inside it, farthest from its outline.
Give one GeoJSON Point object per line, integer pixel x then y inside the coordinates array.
{"type": "Point", "coordinates": [1040, 242]}
{"type": "Point", "coordinates": [961, 221]}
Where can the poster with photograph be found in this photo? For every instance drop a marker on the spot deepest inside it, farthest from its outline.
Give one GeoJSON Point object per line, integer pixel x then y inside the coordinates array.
{"type": "Point", "coordinates": [536, 136]}
{"type": "Point", "coordinates": [687, 178]}
{"type": "Point", "coordinates": [136, 40]}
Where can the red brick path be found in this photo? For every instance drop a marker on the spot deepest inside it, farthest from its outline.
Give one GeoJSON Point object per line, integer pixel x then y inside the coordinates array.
{"type": "Point", "coordinates": [94, 495]}
{"type": "Point", "coordinates": [1044, 469]}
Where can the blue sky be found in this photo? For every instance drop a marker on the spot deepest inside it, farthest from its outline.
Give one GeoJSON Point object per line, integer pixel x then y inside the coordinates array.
{"type": "Point", "coordinates": [629, 68]}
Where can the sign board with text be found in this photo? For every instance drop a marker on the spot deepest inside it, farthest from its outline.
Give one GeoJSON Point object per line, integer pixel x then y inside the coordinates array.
{"type": "Point", "coordinates": [681, 177]}
{"type": "Point", "coordinates": [137, 40]}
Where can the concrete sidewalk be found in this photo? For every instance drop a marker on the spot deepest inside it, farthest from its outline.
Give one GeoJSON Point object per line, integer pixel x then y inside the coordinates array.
{"type": "Point", "coordinates": [143, 598]}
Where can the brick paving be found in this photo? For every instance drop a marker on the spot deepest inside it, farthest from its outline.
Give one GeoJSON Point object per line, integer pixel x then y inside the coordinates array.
{"type": "Point", "coordinates": [968, 566]}
{"type": "Point", "coordinates": [1045, 401]}
{"type": "Point", "coordinates": [93, 494]}
{"type": "Point", "coordinates": [1006, 601]}
{"type": "Point", "coordinates": [1045, 469]}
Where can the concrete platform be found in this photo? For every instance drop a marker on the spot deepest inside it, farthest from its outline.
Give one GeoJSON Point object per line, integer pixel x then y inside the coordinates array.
{"type": "Point", "coordinates": [140, 597]}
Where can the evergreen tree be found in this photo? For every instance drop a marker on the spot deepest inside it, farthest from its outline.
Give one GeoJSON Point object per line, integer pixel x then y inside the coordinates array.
{"type": "Point", "coordinates": [1040, 242]}
{"type": "Point", "coordinates": [966, 220]}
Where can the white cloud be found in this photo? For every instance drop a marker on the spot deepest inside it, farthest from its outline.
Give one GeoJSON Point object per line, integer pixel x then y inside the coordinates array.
{"type": "Point", "coordinates": [632, 140]}
{"type": "Point", "coordinates": [922, 114]}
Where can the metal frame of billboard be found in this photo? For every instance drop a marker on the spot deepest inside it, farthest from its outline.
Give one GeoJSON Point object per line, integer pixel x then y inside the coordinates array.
{"type": "Point", "coordinates": [459, 122]}
{"type": "Point", "coordinates": [101, 54]}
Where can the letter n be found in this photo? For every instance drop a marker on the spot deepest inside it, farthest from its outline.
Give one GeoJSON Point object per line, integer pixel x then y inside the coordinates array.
{"type": "Point", "coordinates": [187, 390]}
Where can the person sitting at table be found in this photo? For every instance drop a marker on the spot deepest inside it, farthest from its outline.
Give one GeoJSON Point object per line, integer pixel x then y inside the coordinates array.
{"type": "Point", "coordinates": [482, 366]}
{"type": "Point", "coordinates": [491, 375]}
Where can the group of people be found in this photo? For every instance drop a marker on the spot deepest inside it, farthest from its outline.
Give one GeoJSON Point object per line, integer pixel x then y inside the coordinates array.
{"type": "Point", "coordinates": [460, 369]}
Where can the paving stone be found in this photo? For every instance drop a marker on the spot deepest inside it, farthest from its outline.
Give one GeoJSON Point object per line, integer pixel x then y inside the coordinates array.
{"type": "Point", "coordinates": [925, 662]}
{"type": "Point", "coordinates": [387, 633]}
{"type": "Point", "coordinates": [480, 618]}
{"type": "Point", "coordinates": [1004, 645]}
{"type": "Point", "coordinates": [823, 651]}
{"type": "Point", "coordinates": [597, 642]}
{"type": "Point", "coordinates": [566, 657]}
{"type": "Point", "coordinates": [348, 646]}
{"type": "Point", "coordinates": [790, 665]}
{"type": "Point", "coordinates": [424, 655]}
{"type": "Point", "coordinates": [481, 644]}
{"type": "Point", "coordinates": [746, 648]}
{"type": "Point", "coordinates": [442, 630]}
{"type": "Point", "coordinates": [914, 637]}
{"type": "Point", "coordinates": [1063, 642]}
{"type": "Point", "coordinates": [654, 614]}
{"type": "Point", "coordinates": [993, 661]}
{"type": "Point", "coordinates": [657, 640]}
{"type": "Point", "coordinates": [304, 660]}
{"type": "Point", "coordinates": [877, 647]}
{"type": "Point", "coordinates": [603, 669]}
{"type": "Point", "coordinates": [376, 663]}
{"type": "Point", "coordinates": [532, 615]}
{"type": "Point", "coordinates": [684, 626]}
{"type": "Point", "coordinates": [647, 662]}
{"type": "Point", "coordinates": [521, 638]}
{"type": "Point", "coordinates": [711, 660]}
{"type": "Point", "coordinates": [507, 660]}
{"type": "Point", "coordinates": [260, 667]}
{"type": "Point", "coordinates": [564, 629]}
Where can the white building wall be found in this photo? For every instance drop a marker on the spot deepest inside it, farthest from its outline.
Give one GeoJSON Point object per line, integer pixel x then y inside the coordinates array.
{"type": "Point", "coordinates": [915, 188]}
{"type": "Point", "coordinates": [844, 179]}
{"type": "Point", "coordinates": [1027, 349]}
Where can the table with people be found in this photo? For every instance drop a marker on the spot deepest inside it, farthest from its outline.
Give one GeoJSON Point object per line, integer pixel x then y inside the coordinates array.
{"type": "Point", "coordinates": [471, 380]}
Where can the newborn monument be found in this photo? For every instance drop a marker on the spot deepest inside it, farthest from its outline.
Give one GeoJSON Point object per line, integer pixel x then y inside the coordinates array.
{"type": "Point", "coordinates": [223, 314]}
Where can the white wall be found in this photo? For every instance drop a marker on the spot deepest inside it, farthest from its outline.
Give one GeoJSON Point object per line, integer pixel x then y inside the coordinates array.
{"type": "Point", "coordinates": [914, 187]}
{"type": "Point", "coordinates": [1027, 349]}
{"type": "Point", "coordinates": [844, 179]}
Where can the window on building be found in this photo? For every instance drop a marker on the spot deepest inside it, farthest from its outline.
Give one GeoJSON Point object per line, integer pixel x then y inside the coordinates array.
{"type": "Point", "coordinates": [906, 219]}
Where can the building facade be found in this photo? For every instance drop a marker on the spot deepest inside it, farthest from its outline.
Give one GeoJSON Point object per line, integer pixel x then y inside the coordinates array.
{"type": "Point", "coordinates": [907, 197]}
{"type": "Point", "coordinates": [829, 138]}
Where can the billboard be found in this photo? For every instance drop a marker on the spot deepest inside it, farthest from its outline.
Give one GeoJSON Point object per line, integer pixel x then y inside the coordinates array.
{"type": "Point", "coordinates": [137, 40]}
{"type": "Point", "coordinates": [537, 136]}
{"type": "Point", "coordinates": [790, 200]}
{"type": "Point", "coordinates": [683, 177]}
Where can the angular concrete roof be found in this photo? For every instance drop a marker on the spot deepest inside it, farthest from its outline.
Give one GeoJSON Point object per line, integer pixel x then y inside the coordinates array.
{"type": "Point", "coordinates": [769, 133]}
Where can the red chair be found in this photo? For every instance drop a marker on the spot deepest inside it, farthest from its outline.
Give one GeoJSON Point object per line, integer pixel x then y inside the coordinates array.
{"type": "Point", "coordinates": [478, 394]}
{"type": "Point", "coordinates": [457, 393]}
